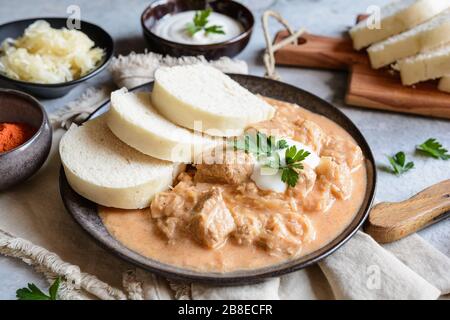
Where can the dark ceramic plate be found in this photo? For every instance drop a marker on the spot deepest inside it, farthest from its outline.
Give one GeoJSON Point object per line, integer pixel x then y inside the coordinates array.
{"type": "Point", "coordinates": [85, 211]}
{"type": "Point", "coordinates": [100, 37]}
{"type": "Point", "coordinates": [160, 8]}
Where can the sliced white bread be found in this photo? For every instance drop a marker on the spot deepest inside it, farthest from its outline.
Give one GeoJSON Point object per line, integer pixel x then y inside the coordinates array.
{"type": "Point", "coordinates": [425, 36]}
{"type": "Point", "coordinates": [105, 170]}
{"type": "Point", "coordinates": [202, 98]}
{"type": "Point", "coordinates": [444, 84]}
{"type": "Point", "coordinates": [134, 120]}
{"type": "Point", "coordinates": [396, 17]}
{"type": "Point", "coordinates": [425, 66]}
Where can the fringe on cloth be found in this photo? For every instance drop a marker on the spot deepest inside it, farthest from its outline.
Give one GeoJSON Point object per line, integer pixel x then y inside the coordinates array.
{"type": "Point", "coordinates": [138, 68]}
{"type": "Point", "coordinates": [77, 111]}
{"type": "Point", "coordinates": [182, 290]}
{"type": "Point", "coordinates": [75, 284]}
{"type": "Point", "coordinates": [142, 285]}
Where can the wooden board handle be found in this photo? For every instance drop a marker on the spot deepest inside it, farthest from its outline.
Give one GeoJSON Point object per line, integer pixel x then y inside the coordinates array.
{"type": "Point", "coordinates": [391, 221]}
{"type": "Point", "coordinates": [319, 52]}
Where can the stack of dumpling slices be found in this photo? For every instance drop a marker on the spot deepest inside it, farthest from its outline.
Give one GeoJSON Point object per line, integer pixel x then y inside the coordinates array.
{"type": "Point", "coordinates": [125, 157]}
{"type": "Point", "coordinates": [411, 35]}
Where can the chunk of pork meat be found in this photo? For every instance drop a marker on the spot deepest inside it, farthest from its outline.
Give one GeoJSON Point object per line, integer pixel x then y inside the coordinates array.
{"type": "Point", "coordinates": [286, 233]}
{"type": "Point", "coordinates": [337, 176]}
{"type": "Point", "coordinates": [248, 228]}
{"type": "Point", "coordinates": [322, 200]}
{"type": "Point", "coordinates": [168, 204]}
{"type": "Point", "coordinates": [305, 184]}
{"type": "Point", "coordinates": [169, 226]}
{"type": "Point", "coordinates": [172, 209]}
{"type": "Point", "coordinates": [212, 221]}
{"type": "Point", "coordinates": [343, 152]}
{"type": "Point", "coordinates": [233, 167]}
{"type": "Point", "coordinates": [310, 134]}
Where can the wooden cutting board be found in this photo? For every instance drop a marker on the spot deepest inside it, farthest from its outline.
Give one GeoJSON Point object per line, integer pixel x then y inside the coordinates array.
{"type": "Point", "coordinates": [377, 89]}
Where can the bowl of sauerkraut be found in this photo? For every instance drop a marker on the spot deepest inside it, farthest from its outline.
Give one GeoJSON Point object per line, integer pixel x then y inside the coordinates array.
{"type": "Point", "coordinates": [47, 58]}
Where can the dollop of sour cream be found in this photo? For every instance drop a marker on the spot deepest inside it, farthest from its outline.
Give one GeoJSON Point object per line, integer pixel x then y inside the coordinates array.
{"type": "Point", "coordinates": [270, 179]}
{"type": "Point", "coordinates": [172, 27]}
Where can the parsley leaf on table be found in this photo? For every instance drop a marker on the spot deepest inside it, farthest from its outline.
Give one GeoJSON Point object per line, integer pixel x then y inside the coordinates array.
{"type": "Point", "coordinates": [199, 23]}
{"type": "Point", "coordinates": [53, 290]}
{"type": "Point", "coordinates": [399, 164]}
{"type": "Point", "coordinates": [434, 149]}
{"type": "Point", "coordinates": [32, 292]}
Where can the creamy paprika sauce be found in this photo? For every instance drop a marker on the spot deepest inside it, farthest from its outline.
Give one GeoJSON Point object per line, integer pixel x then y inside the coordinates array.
{"type": "Point", "coordinates": [216, 218]}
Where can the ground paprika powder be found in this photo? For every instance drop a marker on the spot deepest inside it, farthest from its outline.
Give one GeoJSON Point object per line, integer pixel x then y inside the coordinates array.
{"type": "Point", "coordinates": [13, 134]}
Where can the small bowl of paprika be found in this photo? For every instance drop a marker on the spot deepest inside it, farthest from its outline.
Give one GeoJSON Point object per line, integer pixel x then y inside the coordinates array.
{"type": "Point", "coordinates": [25, 137]}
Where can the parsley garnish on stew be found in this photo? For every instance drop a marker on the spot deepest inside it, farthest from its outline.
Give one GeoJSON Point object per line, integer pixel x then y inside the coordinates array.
{"type": "Point", "coordinates": [266, 148]}
{"type": "Point", "coordinates": [294, 160]}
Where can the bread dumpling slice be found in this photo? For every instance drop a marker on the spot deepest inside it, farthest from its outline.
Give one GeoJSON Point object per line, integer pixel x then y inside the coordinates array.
{"type": "Point", "coordinates": [426, 36]}
{"type": "Point", "coordinates": [444, 84]}
{"type": "Point", "coordinates": [429, 65]}
{"type": "Point", "coordinates": [134, 120]}
{"type": "Point", "coordinates": [204, 99]}
{"type": "Point", "coordinates": [105, 170]}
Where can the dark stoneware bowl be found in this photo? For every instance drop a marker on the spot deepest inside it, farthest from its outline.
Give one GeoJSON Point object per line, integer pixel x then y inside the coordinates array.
{"type": "Point", "coordinates": [20, 163]}
{"type": "Point", "coordinates": [230, 48]}
{"type": "Point", "coordinates": [100, 37]}
{"type": "Point", "coordinates": [85, 211]}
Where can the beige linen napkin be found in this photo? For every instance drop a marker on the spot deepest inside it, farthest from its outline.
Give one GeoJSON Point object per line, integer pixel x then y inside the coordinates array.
{"type": "Point", "coordinates": [361, 269]}
{"type": "Point", "coordinates": [135, 69]}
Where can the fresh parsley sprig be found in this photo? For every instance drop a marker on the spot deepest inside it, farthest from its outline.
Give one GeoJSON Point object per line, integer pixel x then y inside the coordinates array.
{"type": "Point", "coordinates": [32, 292]}
{"type": "Point", "coordinates": [399, 164]}
{"type": "Point", "coordinates": [266, 148]}
{"type": "Point", "coordinates": [433, 148]}
{"type": "Point", "coordinates": [293, 158]}
{"type": "Point", "coordinates": [199, 23]}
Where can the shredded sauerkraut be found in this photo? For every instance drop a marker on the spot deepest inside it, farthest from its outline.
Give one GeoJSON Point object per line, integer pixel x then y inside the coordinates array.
{"type": "Point", "coordinates": [47, 55]}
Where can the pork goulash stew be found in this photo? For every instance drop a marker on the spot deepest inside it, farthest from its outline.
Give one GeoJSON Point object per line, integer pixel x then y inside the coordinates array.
{"type": "Point", "coordinates": [218, 218]}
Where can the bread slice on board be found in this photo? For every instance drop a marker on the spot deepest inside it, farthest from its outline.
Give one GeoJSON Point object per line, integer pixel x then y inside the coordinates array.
{"type": "Point", "coordinates": [444, 84]}
{"type": "Point", "coordinates": [134, 120]}
{"type": "Point", "coordinates": [204, 99]}
{"type": "Point", "coordinates": [394, 18]}
{"type": "Point", "coordinates": [105, 170]}
{"type": "Point", "coordinates": [425, 36]}
{"type": "Point", "coordinates": [425, 66]}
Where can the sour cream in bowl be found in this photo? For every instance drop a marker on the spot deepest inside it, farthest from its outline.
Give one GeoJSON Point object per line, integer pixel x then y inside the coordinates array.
{"type": "Point", "coordinates": [182, 28]}
{"type": "Point", "coordinates": [177, 27]}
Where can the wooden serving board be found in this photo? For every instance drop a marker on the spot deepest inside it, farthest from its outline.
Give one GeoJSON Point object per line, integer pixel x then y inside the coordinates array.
{"type": "Point", "coordinates": [377, 89]}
